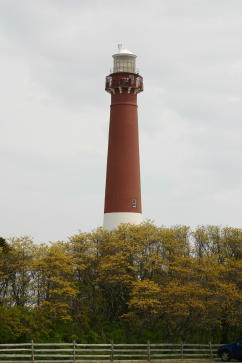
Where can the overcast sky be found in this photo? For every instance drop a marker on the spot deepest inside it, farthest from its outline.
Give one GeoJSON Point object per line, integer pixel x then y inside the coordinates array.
{"type": "Point", "coordinates": [54, 112]}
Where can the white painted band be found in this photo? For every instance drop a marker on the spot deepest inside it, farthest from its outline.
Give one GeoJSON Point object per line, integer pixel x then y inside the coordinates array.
{"type": "Point", "coordinates": [113, 220]}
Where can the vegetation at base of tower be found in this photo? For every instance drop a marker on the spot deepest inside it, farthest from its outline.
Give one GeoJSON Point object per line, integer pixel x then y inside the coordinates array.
{"type": "Point", "coordinates": [133, 284]}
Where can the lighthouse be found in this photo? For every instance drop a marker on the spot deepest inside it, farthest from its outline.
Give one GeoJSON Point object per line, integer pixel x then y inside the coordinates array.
{"type": "Point", "coordinates": [123, 191]}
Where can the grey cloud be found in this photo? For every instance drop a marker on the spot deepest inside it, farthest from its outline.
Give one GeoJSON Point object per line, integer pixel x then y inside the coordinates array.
{"type": "Point", "coordinates": [54, 56]}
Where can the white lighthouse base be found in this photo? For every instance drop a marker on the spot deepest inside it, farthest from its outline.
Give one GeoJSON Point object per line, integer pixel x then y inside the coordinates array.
{"type": "Point", "coordinates": [113, 220]}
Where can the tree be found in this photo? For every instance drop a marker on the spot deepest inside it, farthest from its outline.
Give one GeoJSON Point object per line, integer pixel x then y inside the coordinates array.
{"type": "Point", "coordinates": [4, 245]}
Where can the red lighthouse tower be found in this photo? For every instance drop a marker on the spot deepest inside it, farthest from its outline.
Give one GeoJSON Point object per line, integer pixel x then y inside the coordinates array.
{"type": "Point", "coordinates": [123, 194]}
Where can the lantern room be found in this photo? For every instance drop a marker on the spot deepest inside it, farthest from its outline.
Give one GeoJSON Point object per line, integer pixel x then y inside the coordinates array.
{"type": "Point", "coordinates": [124, 61]}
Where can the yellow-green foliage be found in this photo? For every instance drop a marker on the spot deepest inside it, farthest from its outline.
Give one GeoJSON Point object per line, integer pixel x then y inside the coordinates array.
{"type": "Point", "coordinates": [134, 282]}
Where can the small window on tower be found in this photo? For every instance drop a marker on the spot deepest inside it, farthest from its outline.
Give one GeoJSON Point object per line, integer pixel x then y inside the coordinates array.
{"type": "Point", "coordinates": [134, 203]}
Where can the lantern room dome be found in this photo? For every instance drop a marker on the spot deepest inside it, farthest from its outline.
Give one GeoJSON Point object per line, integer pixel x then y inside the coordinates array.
{"type": "Point", "coordinates": [123, 51]}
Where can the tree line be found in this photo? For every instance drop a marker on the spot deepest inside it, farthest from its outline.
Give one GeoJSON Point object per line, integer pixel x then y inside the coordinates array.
{"type": "Point", "coordinates": [130, 285]}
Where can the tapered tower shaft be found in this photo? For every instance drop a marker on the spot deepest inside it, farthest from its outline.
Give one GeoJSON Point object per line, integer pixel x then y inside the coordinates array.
{"type": "Point", "coordinates": [123, 191]}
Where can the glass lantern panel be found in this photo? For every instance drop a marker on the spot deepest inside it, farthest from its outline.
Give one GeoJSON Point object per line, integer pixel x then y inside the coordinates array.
{"type": "Point", "coordinates": [124, 64]}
